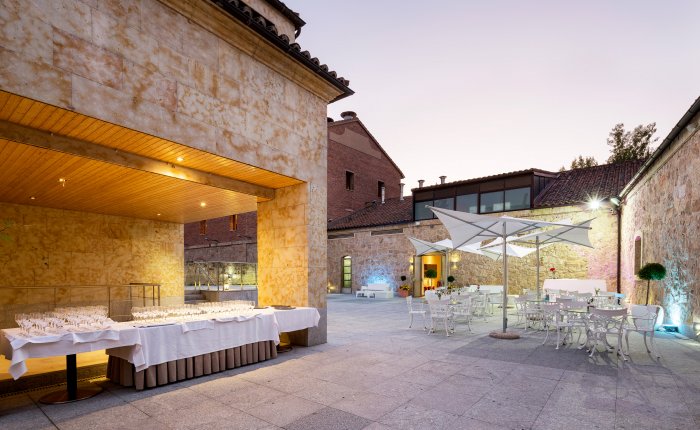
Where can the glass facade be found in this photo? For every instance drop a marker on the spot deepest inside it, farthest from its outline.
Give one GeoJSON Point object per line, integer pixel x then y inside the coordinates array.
{"type": "Point", "coordinates": [448, 203]}
{"type": "Point", "coordinates": [491, 202]}
{"type": "Point", "coordinates": [468, 203]}
{"type": "Point", "coordinates": [421, 212]}
{"type": "Point", "coordinates": [518, 198]}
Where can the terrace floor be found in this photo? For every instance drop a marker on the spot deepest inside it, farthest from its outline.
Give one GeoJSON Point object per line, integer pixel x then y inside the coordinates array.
{"type": "Point", "coordinates": [375, 373]}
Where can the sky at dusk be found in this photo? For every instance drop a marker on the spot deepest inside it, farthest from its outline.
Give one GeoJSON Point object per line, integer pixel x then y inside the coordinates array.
{"type": "Point", "coordinates": [468, 88]}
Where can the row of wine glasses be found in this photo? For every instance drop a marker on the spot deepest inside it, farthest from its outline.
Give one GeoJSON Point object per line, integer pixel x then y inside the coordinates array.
{"type": "Point", "coordinates": [190, 312]}
{"type": "Point", "coordinates": [64, 320]}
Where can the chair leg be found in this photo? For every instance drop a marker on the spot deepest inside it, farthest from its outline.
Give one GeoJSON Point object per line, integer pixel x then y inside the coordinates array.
{"type": "Point", "coordinates": [558, 334]}
{"type": "Point", "coordinates": [425, 323]}
{"type": "Point", "coordinates": [410, 323]}
{"type": "Point", "coordinates": [627, 340]}
{"type": "Point", "coordinates": [645, 342]}
{"type": "Point", "coordinates": [653, 346]}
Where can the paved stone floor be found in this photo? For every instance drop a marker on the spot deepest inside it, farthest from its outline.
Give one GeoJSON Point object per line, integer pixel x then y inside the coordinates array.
{"type": "Point", "coordinates": [375, 373]}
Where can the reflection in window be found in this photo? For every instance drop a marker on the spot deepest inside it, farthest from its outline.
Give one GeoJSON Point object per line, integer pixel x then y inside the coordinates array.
{"type": "Point", "coordinates": [517, 199]}
{"type": "Point", "coordinates": [448, 203]}
{"type": "Point", "coordinates": [347, 271]}
{"type": "Point", "coordinates": [468, 203]}
{"type": "Point", "coordinates": [492, 202]}
{"type": "Point", "coordinates": [421, 212]}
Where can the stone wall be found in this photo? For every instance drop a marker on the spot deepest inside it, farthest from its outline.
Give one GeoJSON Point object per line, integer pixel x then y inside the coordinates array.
{"type": "Point", "coordinates": [49, 248]}
{"type": "Point", "coordinates": [663, 210]}
{"type": "Point", "coordinates": [384, 258]}
{"type": "Point", "coordinates": [184, 71]}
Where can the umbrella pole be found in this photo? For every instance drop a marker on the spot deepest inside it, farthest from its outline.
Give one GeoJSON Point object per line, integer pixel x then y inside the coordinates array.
{"type": "Point", "coordinates": [537, 287]}
{"type": "Point", "coordinates": [505, 281]}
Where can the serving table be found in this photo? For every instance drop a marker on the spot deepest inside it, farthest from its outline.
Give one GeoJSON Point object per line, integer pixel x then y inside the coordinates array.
{"type": "Point", "coordinates": [17, 348]}
{"type": "Point", "coordinates": [178, 351]}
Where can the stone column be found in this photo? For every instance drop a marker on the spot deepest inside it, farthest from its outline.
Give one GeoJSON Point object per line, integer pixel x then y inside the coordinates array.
{"type": "Point", "coordinates": [292, 249]}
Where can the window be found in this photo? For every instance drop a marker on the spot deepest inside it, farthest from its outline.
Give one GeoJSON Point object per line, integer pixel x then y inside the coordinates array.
{"type": "Point", "coordinates": [347, 271]}
{"type": "Point", "coordinates": [518, 198]}
{"type": "Point", "coordinates": [203, 228]}
{"type": "Point", "coordinates": [233, 223]}
{"type": "Point", "coordinates": [468, 203]}
{"type": "Point", "coordinates": [637, 254]}
{"type": "Point", "coordinates": [492, 202]}
{"type": "Point", "coordinates": [349, 180]}
{"type": "Point", "coordinates": [380, 189]}
{"type": "Point", "coordinates": [448, 203]}
{"type": "Point", "coordinates": [421, 212]}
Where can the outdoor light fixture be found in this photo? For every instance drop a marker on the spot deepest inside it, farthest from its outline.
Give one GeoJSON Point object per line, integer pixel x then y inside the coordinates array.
{"type": "Point", "coordinates": [594, 204]}
{"type": "Point", "coordinates": [615, 201]}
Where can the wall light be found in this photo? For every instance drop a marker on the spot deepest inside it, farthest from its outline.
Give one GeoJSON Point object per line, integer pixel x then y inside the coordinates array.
{"type": "Point", "coordinates": [594, 204]}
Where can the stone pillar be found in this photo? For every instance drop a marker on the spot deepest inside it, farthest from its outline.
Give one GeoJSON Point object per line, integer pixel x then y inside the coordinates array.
{"type": "Point", "coordinates": [292, 249]}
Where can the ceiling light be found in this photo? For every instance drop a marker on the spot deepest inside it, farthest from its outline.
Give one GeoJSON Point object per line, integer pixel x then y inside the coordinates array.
{"type": "Point", "coordinates": [157, 214]}
{"type": "Point", "coordinates": [203, 204]}
{"type": "Point", "coordinates": [33, 198]}
{"type": "Point", "coordinates": [62, 181]}
{"type": "Point", "coordinates": [180, 159]}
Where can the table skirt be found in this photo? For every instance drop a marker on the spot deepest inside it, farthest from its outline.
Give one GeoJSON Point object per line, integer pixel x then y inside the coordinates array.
{"type": "Point", "coordinates": [123, 373]}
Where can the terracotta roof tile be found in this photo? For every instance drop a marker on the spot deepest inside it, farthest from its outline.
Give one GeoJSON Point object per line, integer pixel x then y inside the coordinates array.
{"type": "Point", "coordinates": [393, 211]}
{"type": "Point", "coordinates": [581, 185]}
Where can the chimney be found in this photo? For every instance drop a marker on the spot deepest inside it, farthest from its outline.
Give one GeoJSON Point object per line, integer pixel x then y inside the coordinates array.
{"type": "Point", "coordinates": [348, 114]}
{"type": "Point", "coordinates": [401, 184]}
{"type": "Point", "coordinates": [442, 179]}
{"type": "Point", "coordinates": [329, 119]}
{"type": "Point", "coordinates": [420, 183]}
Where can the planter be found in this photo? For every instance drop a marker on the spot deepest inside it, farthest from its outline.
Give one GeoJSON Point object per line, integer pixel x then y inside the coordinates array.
{"type": "Point", "coordinates": [403, 293]}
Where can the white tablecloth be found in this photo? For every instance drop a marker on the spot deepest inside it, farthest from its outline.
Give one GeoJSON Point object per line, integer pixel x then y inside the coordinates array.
{"type": "Point", "coordinates": [295, 319]}
{"type": "Point", "coordinates": [580, 285]}
{"type": "Point", "coordinates": [165, 343]}
{"type": "Point", "coordinates": [18, 348]}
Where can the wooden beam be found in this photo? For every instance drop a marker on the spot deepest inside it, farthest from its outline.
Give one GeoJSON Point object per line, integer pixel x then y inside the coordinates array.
{"type": "Point", "coordinates": [80, 148]}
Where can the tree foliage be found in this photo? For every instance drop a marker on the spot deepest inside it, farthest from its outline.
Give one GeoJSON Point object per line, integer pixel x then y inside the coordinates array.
{"type": "Point", "coordinates": [631, 145]}
{"type": "Point", "coordinates": [652, 272]}
{"type": "Point", "coordinates": [582, 162]}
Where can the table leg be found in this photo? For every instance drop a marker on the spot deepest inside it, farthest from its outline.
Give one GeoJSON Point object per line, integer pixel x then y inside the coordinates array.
{"type": "Point", "coordinates": [72, 393]}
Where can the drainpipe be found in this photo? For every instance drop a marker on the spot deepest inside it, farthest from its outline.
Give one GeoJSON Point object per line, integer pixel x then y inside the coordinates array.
{"type": "Point", "coordinates": [618, 211]}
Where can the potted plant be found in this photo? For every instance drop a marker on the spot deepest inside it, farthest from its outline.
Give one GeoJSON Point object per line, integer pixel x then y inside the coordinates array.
{"type": "Point", "coordinates": [430, 274]}
{"type": "Point", "coordinates": [651, 272]}
{"type": "Point", "coordinates": [404, 288]}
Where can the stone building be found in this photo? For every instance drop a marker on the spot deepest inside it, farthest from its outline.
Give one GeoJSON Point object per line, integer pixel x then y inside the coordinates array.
{"type": "Point", "coordinates": [359, 172]}
{"type": "Point", "coordinates": [660, 221]}
{"type": "Point", "coordinates": [375, 239]}
{"type": "Point", "coordinates": [122, 121]}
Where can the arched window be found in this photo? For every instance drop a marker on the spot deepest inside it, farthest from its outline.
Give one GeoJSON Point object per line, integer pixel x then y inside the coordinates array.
{"type": "Point", "coordinates": [346, 270]}
{"type": "Point", "coordinates": [637, 254]}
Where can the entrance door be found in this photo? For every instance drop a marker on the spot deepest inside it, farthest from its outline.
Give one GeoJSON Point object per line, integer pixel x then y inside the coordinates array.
{"type": "Point", "coordinates": [431, 264]}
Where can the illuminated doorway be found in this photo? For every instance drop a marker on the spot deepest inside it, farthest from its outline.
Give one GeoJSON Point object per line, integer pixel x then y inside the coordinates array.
{"type": "Point", "coordinates": [431, 262]}
{"type": "Point", "coordinates": [346, 271]}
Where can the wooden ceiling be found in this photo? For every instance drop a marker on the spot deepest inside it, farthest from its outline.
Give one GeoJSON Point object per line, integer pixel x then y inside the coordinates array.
{"type": "Point", "coordinates": [102, 187]}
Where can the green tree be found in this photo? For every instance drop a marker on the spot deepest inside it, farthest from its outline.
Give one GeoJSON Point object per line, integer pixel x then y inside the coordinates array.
{"type": "Point", "coordinates": [582, 162]}
{"type": "Point", "coordinates": [631, 145]}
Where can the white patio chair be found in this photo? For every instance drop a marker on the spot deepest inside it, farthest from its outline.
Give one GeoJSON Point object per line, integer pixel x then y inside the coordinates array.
{"type": "Point", "coordinates": [416, 309]}
{"type": "Point", "coordinates": [430, 295]}
{"type": "Point", "coordinates": [604, 322]}
{"type": "Point", "coordinates": [479, 304]}
{"type": "Point", "coordinates": [525, 312]}
{"type": "Point", "coordinates": [552, 317]}
{"type": "Point", "coordinates": [643, 321]}
{"type": "Point", "coordinates": [462, 311]}
{"type": "Point", "coordinates": [577, 320]}
{"type": "Point", "coordinates": [441, 314]}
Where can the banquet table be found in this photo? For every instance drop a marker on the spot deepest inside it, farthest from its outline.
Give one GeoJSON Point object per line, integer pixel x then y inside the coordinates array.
{"type": "Point", "coordinates": [17, 348]}
{"type": "Point", "coordinates": [180, 351]}
{"type": "Point", "coordinates": [580, 285]}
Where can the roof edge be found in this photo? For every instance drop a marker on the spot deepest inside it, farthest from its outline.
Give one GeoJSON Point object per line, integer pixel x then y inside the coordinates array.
{"type": "Point", "coordinates": [288, 13]}
{"type": "Point", "coordinates": [667, 142]}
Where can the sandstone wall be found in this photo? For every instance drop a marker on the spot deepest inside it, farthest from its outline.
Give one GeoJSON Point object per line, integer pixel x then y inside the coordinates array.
{"type": "Point", "coordinates": [183, 71]}
{"type": "Point", "coordinates": [384, 258]}
{"type": "Point", "coordinates": [46, 248]}
{"type": "Point", "coordinates": [663, 210]}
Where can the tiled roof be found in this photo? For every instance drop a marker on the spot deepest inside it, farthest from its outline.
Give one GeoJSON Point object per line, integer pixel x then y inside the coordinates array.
{"type": "Point", "coordinates": [484, 178]}
{"type": "Point", "coordinates": [581, 185]}
{"type": "Point", "coordinates": [265, 28]}
{"type": "Point", "coordinates": [393, 211]}
{"type": "Point", "coordinates": [287, 12]}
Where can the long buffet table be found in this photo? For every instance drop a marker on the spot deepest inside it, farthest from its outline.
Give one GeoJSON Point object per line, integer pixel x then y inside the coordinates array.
{"type": "Point", "coordinates": [155, 355]}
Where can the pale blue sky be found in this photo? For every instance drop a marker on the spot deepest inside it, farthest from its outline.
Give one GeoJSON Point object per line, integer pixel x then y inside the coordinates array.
{"type": "Point", "coordinates": [467, 88]}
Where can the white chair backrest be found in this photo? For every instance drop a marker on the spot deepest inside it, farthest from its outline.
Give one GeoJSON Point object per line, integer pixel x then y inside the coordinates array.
{"type": "Point", "coordinates": [430, 295]}
{"type": "Point", "coordinates": [439, 308]}
{"type": "Point", "coordinates": [585, 296]}
{"type": "Point", "coordinates": [576, 304]}
{"type": "Point", "coordinates": [610, 319]}
{"type": "Point", "coordinates": [644, 316]}
{"type": "Point", "coordinates": [550, 308]}
{"type": "Point", "coordinates": [563, 299]}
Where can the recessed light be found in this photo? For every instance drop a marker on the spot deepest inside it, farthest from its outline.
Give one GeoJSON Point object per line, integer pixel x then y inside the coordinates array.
{"type": "Point", "coordinates": [180, 159]}
{"type": "Point", "coordinates": [203, 204]}
{"type": "Point", "coordinates": [33, 198]}
{"type": "Point", "coordinates": [157, 214]}
{"type": "Point", "coordinates": [62, 181]}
